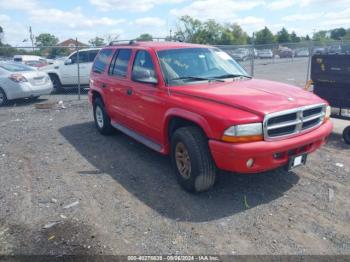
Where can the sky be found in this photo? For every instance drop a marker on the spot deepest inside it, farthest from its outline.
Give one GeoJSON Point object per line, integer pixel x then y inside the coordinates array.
{"type": "Point", "coordinates": [86, 19]}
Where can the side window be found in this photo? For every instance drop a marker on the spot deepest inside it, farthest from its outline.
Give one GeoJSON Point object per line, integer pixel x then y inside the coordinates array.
{"type": "Point", "coordinates": [83, 56]}
{"type": "Point", "coordinates": [119, 65]}
{"type": "Point", "coordinates": [143, 66]}
{"type": "Point", "coordinates": [73, 58]}
{"type": "Point", "coordinates": [92, 55]}
{"type": "Point", "coordinates": [101, 60]}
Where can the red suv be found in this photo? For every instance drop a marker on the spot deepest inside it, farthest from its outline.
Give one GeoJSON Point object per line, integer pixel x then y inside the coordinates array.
{"type": "Point", "coordinates": [197, 104]}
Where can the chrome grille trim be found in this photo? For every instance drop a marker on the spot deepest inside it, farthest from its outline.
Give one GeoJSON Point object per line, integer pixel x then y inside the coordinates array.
{"type": "Point", "coordinates": [301, 123]}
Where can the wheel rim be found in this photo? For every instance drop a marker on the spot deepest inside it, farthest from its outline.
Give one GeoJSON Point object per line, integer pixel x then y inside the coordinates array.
{"type": "Point", "coordinates": [183, 161]}
{"type": "Point", "coordinates": [99, 117]}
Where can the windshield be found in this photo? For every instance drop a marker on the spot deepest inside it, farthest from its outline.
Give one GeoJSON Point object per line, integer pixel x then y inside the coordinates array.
{"type": "Point", "coordinates": [14, 67]}
{"type": "Point", "coordinates": [187, 65]}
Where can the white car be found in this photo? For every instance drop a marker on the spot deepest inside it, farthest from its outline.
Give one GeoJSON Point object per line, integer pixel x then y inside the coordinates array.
{"type": "Point", "coordinates": [64, 72]}
{"type": "Point", "coordinates": [265, 53]}
{"type": "Point", "coordinates": [20, 81]}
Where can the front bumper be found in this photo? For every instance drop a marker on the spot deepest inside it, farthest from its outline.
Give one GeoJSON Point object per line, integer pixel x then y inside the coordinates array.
{"type": "Point", "coordinates": [267, 155]}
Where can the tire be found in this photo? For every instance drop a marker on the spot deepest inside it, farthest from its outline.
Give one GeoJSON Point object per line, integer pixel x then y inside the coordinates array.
{"type": "Point", "coordinates": [57, 86]}
{"type": "Point", "coordinates": [3, 97]}
{"type": "Point", "coordinates": [346, 135]}
{"type": "Point", "coordinates": [200, 169]}
{"type": "Point", "coordinates": [102, 120]}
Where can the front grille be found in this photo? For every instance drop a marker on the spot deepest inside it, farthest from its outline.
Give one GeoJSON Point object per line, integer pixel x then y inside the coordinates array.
{"type": "Point", "coordinates": [291, 122]}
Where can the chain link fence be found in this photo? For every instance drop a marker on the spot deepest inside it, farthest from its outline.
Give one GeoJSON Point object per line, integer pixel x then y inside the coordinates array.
{"type": "Point", "coordinates": [69, 66]}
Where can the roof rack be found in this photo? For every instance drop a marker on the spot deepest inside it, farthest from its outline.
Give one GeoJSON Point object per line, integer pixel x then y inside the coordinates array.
{"type": "Point", "coordinates": [154, 39]}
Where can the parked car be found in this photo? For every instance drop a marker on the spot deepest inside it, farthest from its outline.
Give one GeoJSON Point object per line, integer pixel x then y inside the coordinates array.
{"type": "Point", "coordinates": [240, 54]}
{"type": "Point", "coordinates": [21, 81]}
{"type": "Point", "coordinates": [265, 53]}
{"type": "Point", "coordinates": [197, 104]}
{"type": "Point", "coordinates": [334, 50]}
{"type": "Point", "coordinates": [285, 53]}
{"type": "Point", "coordinates": [319, 51]}
{"type": "Point", "coordinates": [345, 49]}
{"type": "Point", "coordinates": [302, 52]}
{"type": "Point", "coordinates": [64, 72]}
{"type": "Point", "coordinates": [31, 60]}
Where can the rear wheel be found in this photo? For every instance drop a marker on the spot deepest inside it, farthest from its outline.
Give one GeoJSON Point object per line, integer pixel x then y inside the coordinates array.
{"type": "Point", "coordinates": [102, 120]}
{"type": "Point", "coordinates": [346, 135]}
{"type": "Point", "coordinates": [56, 83]}
{"type": "Point", "coordinates": [3, 97]}
{"type": "Point", "coordinates": [191, 158]}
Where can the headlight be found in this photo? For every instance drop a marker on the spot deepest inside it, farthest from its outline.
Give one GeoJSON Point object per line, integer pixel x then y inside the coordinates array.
{"type": "Point", "coordinates": [243, 133]}
{"type": "Point", "coordinates": [328, 113]}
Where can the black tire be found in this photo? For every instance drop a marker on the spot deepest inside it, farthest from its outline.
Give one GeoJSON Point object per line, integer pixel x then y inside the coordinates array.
{"type": "Point", "coordinates": [57, 86]}
{"type": "Point", "coordinates": [102, 120]}
{"type": "Point", "coordinates": [346, 135]}
{"type": "Point", "coordinates": [3, 97]}
{"type": "Point", "coordinates": [202, 173]}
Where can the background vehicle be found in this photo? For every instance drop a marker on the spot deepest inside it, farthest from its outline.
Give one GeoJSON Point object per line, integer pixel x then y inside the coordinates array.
{"type": "Point", "coordinates": [334, 50]}
{"type": "Point", "coordinates": [64, 72]}
{"type": "Point", "coordinates": [20, 81]}
{"type": "Point", "coordinates": [302, 52]}
{"type": "Point", "coordinates": [319, 51]}
{"type": "Point", "coordinates": [285, 53]}
{"type": "Point", "coordinates": [265, 53]}
{"type": "Point", "coordinates": [240, 54]}
{"type": "Point", "coordinates": [197, 104]}
{"type": "Point", "coordinates": [31, 60]}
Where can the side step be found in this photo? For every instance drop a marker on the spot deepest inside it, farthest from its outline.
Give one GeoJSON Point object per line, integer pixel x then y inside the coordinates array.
{"type": "Point", "coordinates": [147, 142]}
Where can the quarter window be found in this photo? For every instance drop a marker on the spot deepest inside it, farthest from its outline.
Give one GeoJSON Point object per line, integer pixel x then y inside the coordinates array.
{"type": "Point", "coordinates": [102, 60]}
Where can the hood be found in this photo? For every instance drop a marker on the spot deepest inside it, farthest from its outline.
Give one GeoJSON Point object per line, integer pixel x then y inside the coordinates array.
{"type": "Point", "coordinates": [254, 95]}
{"type": "Point", "coordinates": [54, 65]}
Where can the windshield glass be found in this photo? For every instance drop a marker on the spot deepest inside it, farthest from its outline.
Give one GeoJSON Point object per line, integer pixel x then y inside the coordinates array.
{"type": "Point", "coordinates": [187, 65]}
{"type": "Point", "coordinates": [16, 67]}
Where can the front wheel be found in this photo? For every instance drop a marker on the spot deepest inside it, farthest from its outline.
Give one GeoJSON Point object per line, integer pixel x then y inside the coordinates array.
{"type": "Point", "coordinates": [56, 83]}
{"type": "Point", "coordinates": [191, 158]}
{"type": "Point", "coordinates": [346, 135]}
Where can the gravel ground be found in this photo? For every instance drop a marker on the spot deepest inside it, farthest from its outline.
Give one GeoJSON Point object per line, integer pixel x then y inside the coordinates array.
{"type": "Point", "coordinates": [65, 189]}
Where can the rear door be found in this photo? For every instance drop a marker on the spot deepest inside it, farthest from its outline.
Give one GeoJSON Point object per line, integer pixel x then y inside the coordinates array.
{"type": "Point", "coordinates": [116, 86]}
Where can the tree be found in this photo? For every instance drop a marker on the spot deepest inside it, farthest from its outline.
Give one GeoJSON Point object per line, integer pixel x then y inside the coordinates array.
{"type": "Point", "coordinates": [264, 36]}
{"type": "Point", "coordinates": [307, 38]}
{"type": "Point", "coordinates": [189, 29]}
{"type": "Point", "coordinates": [1, 35]}
{"type": "Point", "coordinates": [145, 37]}
{"type": "Point", "coordinates": [320, 36]}
{"type": "Point", "coordinates": [338, 33]}
{"type": "Point", "coordinates": [294, 38]}
{"type": "Point", "coordinates": [46, 39]}
{"type": "Point", "coordinates": [97, 41]}
{"type": "Point", "coordinates": [283, 36]}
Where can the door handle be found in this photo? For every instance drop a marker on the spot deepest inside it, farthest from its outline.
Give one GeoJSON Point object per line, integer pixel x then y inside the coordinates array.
{"type": "Point", "coordinates": [104, 85]}
{"type": "Point", "coordinates": [129, 92]}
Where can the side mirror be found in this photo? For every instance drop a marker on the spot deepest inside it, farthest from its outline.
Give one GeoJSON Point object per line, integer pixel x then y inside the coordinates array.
{"type": "Point", "coordinates": [144, 76]}
{"type": "Point", "coordinates": [68, 61]}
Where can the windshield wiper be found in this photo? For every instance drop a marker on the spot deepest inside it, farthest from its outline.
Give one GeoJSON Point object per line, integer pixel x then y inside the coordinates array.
{"type": "Point", "coordinates": [231, 76]}
{"type": "Point", "coordinates": [195, 78]}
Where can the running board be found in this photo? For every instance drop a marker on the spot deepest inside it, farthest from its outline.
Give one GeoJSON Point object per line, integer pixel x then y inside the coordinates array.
{"type": "Point", "coordinates": [147, 142]}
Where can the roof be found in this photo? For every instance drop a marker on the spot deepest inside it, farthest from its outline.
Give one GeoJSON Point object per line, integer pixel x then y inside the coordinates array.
{"type": "Point", "coordinates": [161, 45]}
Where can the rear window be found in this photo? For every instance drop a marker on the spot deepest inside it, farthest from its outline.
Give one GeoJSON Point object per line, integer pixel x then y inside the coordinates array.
{"type": "Point", "coordinates": [17, 59]}
{"type": "Point", "coordinates": [16, 67]}
{"type": "Point", "coordinates": [102, 60]}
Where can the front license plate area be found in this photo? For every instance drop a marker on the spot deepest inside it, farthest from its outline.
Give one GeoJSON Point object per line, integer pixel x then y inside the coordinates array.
{"type": "Point", "coordinates": [296, 161]}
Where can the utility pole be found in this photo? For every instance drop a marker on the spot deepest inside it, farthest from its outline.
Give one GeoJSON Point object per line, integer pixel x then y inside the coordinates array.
{"type": "Point", "coordinates": [31, 36]}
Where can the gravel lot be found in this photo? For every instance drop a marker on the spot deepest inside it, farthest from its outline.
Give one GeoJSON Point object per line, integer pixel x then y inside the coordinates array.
{"type": "Point", "coordinates": [65, 189]}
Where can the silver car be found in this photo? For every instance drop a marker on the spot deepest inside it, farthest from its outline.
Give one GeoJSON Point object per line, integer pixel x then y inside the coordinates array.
{"type": "Point", "coordinates": [20, 81]}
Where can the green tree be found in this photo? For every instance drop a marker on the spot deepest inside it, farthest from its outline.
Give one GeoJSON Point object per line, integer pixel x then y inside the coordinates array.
{"type": "Point", "coordinates": [294, 38]}
{"type": "Point", "coordinates": [338, 33]}
{"type": "Point", "coordinates": [145, 37]}
{"type": "Point", "coordinates": [189, 29]}
{"type": "Point", "coordinates": [1, 35]}
{"type": "Point", "coordinates": [283, 36]}
{"type": "Point", "coordinates": [320, 36]}
{"type": "Point", "coordinates": [45, 39]}
{"type": "Point", "coordinates": [97, 41]}
{"type": "Point", "coordinates": [264, 36]}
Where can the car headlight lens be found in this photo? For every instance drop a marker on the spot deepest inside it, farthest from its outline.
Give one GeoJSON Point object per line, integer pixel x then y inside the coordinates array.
{"type": "Point", "coordinates": [243, 133]}
{"type": "Point", "coordinates": [328, 113]}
